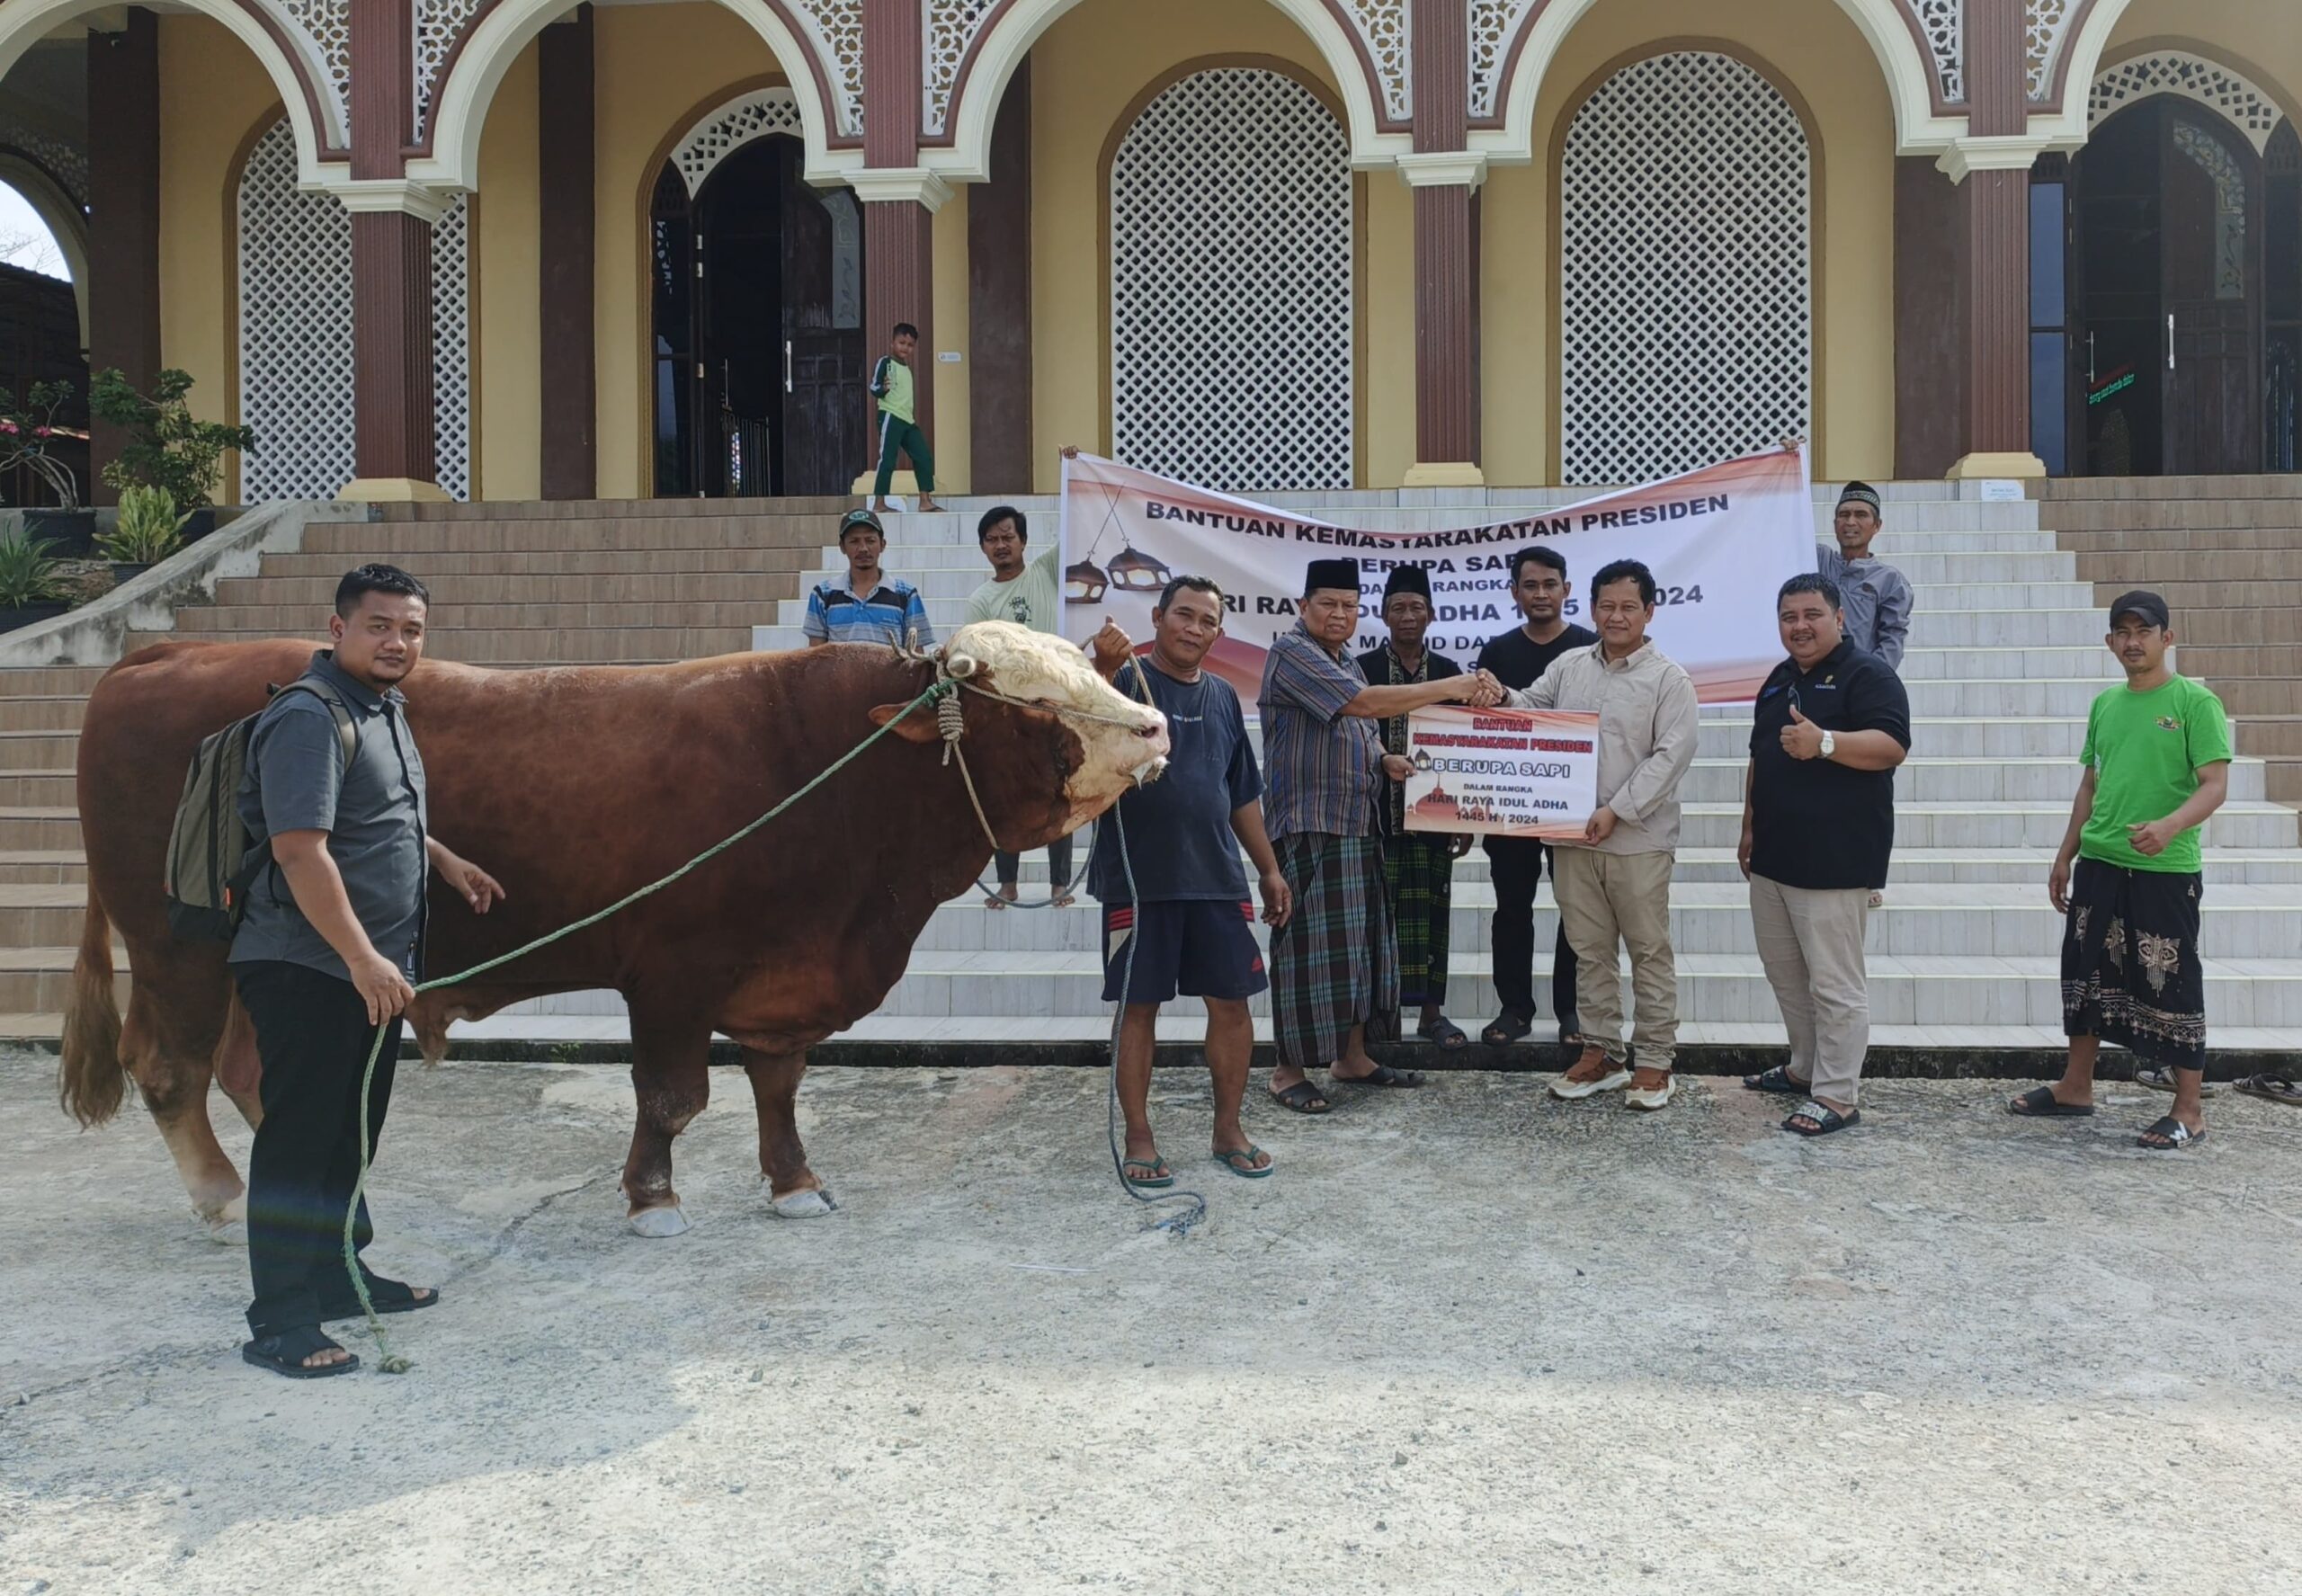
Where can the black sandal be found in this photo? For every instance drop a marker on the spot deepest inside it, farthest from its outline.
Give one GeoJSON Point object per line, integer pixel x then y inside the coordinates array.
{"type": "Point", "coordinates": [1300, 1097]}
{"type": "Point", "coordinates": [1822, 1120]}
{"type": "Point", "coordinates": [1778, 1079]}
{"type": "Point", "coordinates": [2039, 1102]}
{"type": "Point", "coordinates": [2172, 1136]}
{"type": "Point", "coordinates": [1447, 1036]}
{"type": "Point", "coordinates": [284, 1353]}
{"type": "Point", "coordinates": [390, 1297]}
{"type": "Point", "coordinates": [1384, 1075]}
{"type": "Point", "coordinates": [1507, 1028]}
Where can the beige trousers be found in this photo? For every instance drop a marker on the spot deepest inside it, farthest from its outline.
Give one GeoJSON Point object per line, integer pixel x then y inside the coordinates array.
{"type": "Point", "coordinates": [1811, 943]}
{"type": "Point", "coordinates": [1608, 901]}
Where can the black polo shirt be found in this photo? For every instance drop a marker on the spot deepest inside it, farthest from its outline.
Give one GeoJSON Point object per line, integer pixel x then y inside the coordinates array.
{"type": "Point", "coordinates": [1815, 823]}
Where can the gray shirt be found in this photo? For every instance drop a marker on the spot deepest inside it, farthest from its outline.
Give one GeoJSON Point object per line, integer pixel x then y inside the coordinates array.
{"type": "Point", "coordinates": [1875, 601]}
{"type": "Point", "coordinates": [373, 811]}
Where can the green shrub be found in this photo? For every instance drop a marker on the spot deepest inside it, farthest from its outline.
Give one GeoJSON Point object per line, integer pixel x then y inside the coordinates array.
{"type": "Point", "coordinates": [167, 447]}
{"type": "Point", "coordinates": [28, 574]}
{"type": "Point", "coordinates": [147, 529]}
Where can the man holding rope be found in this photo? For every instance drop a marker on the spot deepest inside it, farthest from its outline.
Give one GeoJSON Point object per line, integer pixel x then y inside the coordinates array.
{"type": "Point", "coordinates": [330, 948]}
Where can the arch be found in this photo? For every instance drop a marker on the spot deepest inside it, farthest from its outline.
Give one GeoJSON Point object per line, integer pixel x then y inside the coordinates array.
{"type": "Point", "coordinates": [476, 66]}
{"type": "Point", "coordinates": [315, 115]}
{"type": "Point", "coordinates": [2079, 60]}
{"type": "Point", "coordinates": [1004, 42]}
{"type": "Point", "coordinates": [1920, 124]}
{"type": "Point", "coordinates": [60, 214]}
{"type": "Point", "coordinates": [2252, 112]}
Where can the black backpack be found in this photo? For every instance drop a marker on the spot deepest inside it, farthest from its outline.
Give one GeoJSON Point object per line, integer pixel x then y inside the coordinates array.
{"type": "Point", "coordinates": [212, 858]}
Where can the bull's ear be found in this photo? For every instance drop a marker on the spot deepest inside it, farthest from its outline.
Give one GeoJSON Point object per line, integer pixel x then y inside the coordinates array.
{"type": "Point", "coordinates": [918, 727]}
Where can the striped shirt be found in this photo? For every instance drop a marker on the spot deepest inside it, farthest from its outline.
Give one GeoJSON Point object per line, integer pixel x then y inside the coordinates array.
{"type": "Point", "coordinates": [1321, 767]}
{"type": "Point", "coordinates": [890, 613]}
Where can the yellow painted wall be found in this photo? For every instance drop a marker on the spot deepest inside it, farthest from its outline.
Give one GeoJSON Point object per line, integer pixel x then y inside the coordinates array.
{"type": "Point", "coordinates": [1811, 46]}
{"type": "Point", "coordinates": [507, 365]}
{"type": "Point", "coordinates": [1086, 70]}
{"type": "Point", "coordinates": [954, 433]}
{"type": "Point", "coordinates": [2261, 38]}
{"type": "Point", "coordinates": [655, 65]}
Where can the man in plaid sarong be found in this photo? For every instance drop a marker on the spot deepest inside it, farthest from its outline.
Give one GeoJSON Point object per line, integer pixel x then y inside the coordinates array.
{"type": "Point", "coordinates": [1333, 967]}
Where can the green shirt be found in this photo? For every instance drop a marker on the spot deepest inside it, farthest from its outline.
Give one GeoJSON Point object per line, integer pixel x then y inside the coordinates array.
{"type": "Point", "coordinates": [1034, 599]}
{"type": "Point", "coordinates": [891, 385]}
{"type": "Point", "coordinates": [2145, 749]}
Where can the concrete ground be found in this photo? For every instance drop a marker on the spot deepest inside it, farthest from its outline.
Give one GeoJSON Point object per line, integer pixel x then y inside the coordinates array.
{"type": "Point", "coordinates": [1466, 1341]}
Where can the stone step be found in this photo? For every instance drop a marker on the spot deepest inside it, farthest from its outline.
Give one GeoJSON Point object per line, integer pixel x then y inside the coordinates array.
{"type": "Point", "coordinates": [303, 594]}
{"type": "Point", "coordinates": [573, 562]}
{"type": "Point", "coordinates": [39, 867]}
{"type": "Point", "coordinates": [411, 543]}
{"type": "Point", "coordinates": [42, 750]}
{"type": "Point", "coordinates": [539, 645]}
{"type": "Point", "coordinates": [43, 712]}
{"type": "Point", "coordinates": [2183, 595]}
{"type": "Point", "coordinates": [40, 826]}
{"type": "Point", "coordinates": [2246, 696]}
{"type": "Point", "coordinates": [2188, 541]}
{"type": "Point", "coordinates": [39, 789]}
{"type": "Point", "coordinates": [37, 979]}
{"type": "Point", "coordinates": [2242, 567]}
{"type": "Point", "coordinates": [37, 681]}
{"type": "Point", "coordinates": [609, 509]}
{"type": "Point", "coordinates": [2258, 485]}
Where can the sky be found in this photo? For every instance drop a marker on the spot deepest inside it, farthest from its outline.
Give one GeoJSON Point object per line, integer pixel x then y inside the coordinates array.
{"type": "Point", "coordinates": [19, 221]}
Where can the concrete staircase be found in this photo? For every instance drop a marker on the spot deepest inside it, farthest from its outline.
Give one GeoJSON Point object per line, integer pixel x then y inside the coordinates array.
{"type": "Point", "coordinates": [2006, 655]}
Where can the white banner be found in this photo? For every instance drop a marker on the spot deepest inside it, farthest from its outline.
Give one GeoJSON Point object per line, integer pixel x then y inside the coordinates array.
{"type": "Point", "coordinates": [1720, 542]}
{"type": "Point", "coordinates": [1501, 772]}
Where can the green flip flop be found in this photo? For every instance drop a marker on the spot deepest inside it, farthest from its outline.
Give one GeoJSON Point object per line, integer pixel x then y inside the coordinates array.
{"type": "Point", "coordinates": [1241, 1162]}
{"type": "Point", "coordinates": [1151, 1180]}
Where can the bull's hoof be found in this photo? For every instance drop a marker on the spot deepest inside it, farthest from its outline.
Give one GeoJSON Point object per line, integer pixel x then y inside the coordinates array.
{"type": "Point", "coordinates": [811, 1204]}
{"type": "Point", "coordinates": [659, 1222]}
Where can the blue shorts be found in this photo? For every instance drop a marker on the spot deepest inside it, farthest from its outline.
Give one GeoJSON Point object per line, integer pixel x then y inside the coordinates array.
{"type": "Point", "coordinates": [1199, 947]}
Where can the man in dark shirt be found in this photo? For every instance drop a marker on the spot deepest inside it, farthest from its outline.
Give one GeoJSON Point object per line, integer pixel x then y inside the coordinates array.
{"type": "Point", "coordinates": [330, 948]}
{"type": "Point", "coordinates": [1518, 658]}
{"type": "Point", "coordinates": [1819, 824]}
{"type": "Point", "coordinates": [1181, 924]}
{"type": "Point", "coordinates": [1418, 867]}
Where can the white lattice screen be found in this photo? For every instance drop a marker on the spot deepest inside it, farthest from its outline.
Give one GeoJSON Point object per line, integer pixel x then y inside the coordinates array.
{"type": "Point", "coordinates": [2191, 77]}
{"type": "Point", "coordinates": [295, 336]}
{"type": "Point", "coordinates": [748, 116]}
{"type": "Point", "coordinates": [1686, 275]}
{"type": "Point", "coordinates": [1231, 294]}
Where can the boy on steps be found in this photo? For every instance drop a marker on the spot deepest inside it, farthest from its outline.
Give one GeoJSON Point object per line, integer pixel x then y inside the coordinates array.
{"type": "Point", "coordinates": [899, 430]}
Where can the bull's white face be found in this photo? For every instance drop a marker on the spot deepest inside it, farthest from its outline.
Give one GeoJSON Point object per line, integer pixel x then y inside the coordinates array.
{"type": "Point", "coordinates": [1122, 742]}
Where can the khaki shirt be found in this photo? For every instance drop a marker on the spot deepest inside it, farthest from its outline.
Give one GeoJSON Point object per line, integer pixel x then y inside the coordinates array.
{"type": "Point", "coordinates": [1647, 716]}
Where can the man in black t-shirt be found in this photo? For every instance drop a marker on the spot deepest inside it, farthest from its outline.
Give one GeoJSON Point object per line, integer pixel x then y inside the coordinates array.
{"type": "Point", "coordinates": [1518, 658]}
{"type": "Point", "coordinates": [1184, 922]}
{"type": "Point", "coordinates": [1818, 825]}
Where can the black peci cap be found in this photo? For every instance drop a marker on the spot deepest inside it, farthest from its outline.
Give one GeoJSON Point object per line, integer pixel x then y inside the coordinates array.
{"type": "Point", "coordinates": [1331, 573]}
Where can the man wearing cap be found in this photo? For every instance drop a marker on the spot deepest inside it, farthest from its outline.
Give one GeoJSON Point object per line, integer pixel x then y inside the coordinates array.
{"type": "Point", "coordinates": [1333, 966]}
{"type": "Point", "coordinates": [2126, 878]}
{"type": "Point", "coordinates": [1876, 597]}
{"type": "Point", "coordinates": [1418, 867]}
{"type": "Point", "coordinates": [867, 605]}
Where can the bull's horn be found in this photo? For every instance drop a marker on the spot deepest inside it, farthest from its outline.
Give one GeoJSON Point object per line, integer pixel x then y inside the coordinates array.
{"type": "Point", "coordinates": [961, 665]}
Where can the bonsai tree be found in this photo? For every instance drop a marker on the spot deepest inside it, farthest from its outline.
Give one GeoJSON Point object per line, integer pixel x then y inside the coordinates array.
{"type": "Point", "coordinates": [27, 438]}
{"type": "Point", "coordinates": [168, 448]}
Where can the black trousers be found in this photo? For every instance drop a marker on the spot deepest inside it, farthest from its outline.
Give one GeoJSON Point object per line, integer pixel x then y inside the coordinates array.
{"type": "Point", "coordinates": [1516, 865]}
{"type": "Point", "coordinates": [1058, 866]}
{"type": "Point", "coordinates": [312, 1034]}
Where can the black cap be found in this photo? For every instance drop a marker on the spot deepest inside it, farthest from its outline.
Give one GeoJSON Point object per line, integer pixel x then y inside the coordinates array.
{"type": "Point", "coordinates": [859, 518]}
{"type": "Point", "coordinates": [1412, 579]}
{"type": "Point", "coordinates": [1331, 573]}
{"type": "Point", "coordinates": [2141, 602]}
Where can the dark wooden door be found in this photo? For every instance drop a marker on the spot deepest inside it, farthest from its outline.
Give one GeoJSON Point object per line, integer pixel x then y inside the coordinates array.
{"type": "Point", "coordinates": [825, 435]}
{"type": "Point", "coordinates": [2211, 242]}
{"type": "Point", "coordinates": [740, 224]}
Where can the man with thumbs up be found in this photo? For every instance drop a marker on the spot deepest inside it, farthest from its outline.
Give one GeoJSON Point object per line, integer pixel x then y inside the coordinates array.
{"type": "Point", "coordinates": [1819, 824]}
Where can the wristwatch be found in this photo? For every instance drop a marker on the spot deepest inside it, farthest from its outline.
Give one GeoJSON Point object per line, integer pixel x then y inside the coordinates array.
{"type": "Point", "coordinates": [1830, 744]}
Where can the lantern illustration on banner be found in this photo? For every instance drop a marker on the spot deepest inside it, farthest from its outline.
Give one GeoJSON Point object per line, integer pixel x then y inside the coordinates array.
{"type": "Point", "coordinates": [1422, 759]}
{"type": "Point", "coordinates": [1083, 583]}
{"type": "Point", "coordinates": [1136, 572]}
{"type": "Point", "coordinates": [1130, 570]}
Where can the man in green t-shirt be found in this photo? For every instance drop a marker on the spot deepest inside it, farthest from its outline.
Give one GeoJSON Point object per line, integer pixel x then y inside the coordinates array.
{"type": "Point", "coordinates": [2157, 760]}
{"type": "Point", "coordinates": [1029, 594]}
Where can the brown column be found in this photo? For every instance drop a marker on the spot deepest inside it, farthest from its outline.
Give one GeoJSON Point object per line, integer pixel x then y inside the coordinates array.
{"type": "Point", "coordinates": [1930, 352]}
{"type": "Point", "coordinates": [391, 347]}
{"type": "Point", "coordinates": [999, 301]}
{"type": "Point", "coordinates": [1995, 241]}
{"type": "Point", "coordinates": [123, 218]}
{"type": "Point", "coordinates": [564, 180]}
{"type": "Point", "coordinates": [1446, 251]}
{"type": "Point", "coordinates": [900, 285]}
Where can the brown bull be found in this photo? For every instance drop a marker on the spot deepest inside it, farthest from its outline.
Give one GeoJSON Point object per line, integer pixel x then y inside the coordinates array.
{"type": "Point", "coordinates": [574, 786]}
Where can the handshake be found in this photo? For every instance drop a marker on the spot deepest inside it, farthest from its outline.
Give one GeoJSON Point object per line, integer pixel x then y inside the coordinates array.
{"type": "Point", "coordinates": [1479, 690]}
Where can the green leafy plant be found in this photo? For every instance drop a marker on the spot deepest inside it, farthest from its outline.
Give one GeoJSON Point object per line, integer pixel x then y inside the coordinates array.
{"type": "Point", "coordinates": [28, 575]}
{"type": "Point", "coordinates": [29, 436]}
{"type": "Point", "coordinates": [148, 529]}
{"type": "Point", "coordinates": [167, 446]}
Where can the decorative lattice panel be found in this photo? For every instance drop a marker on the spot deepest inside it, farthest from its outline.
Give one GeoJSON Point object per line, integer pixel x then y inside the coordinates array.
{"type": "Point", "coordinates": [2044, 22]}
{"type": "Point", "coordinates": [438, 24]}
{"type": "Point", "coordinates": [295, 285]}
{"type": "Point", "coordinates": [754, 115]}
{"type": "Point", "coordinates": [1944, 25]}
{"type": "Point", "coordinates": [1493, 24]}
{"type": "Point", "coordinates": [59, 157]}
{"type": "Point", "coordinates": [1686, 276]}
{"type": "Point", "coordinates": [946, 32]}
{"type": "Point", "coordinates": [1231, 291]}
{"type": "Point", "coordinates": [836, 30]}
{"type": "Point", "coordinates": [294, 335]}
{"type": "Point", "coordinates": [2193, 77]}
{"type": "Point", "coordinates": [1387, 29]}
{"type": "Point", "coordinates": [329, 25]}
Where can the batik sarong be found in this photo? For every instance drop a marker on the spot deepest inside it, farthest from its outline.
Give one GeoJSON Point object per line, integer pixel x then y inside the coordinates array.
{"type": "Point", "coordinates": [1420, 870]}
{"type": "Point", "coordinates": [1332, 965]}
{"type": "Point", "coordinates": [2131, 971]}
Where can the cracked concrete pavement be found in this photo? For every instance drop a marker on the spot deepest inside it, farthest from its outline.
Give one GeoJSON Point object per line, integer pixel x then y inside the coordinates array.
{"type": "Point", "coordinates": [1465, 1340]}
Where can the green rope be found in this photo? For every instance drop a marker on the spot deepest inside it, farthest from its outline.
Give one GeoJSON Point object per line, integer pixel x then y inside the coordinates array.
{"type": "Point", "coordinates": [390, 1362]}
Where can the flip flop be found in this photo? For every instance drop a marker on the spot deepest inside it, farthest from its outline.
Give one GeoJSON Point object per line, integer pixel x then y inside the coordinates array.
{"type": "Point", "coordinates": [1507, 1028]}
{"type": "Point", "coordinates": [1823, 1121]}
{"type": "Point", "coordinates": [1779, 1079]}
{"type": "Point", "coordinates": [1153, 1181]}
{"type": "Point", "coordinates": [1447, 1036]}
{"type": "Point", "coordinates": [2271, 1088]}
{"type": "Point", "coordinates": [1301, 1096]}
{"type": "Point", "coordinates": [390, 1297]}
{"type": "Point", "coordinates": [1405, 1080]}
{"type": "Point", "coordinates": [284, 1353]}
{"type": "Point", "coordinates": [2175, 1135]}
{"type": "Point", "coordinates": [1241, 1162]}
{"type": "Point", "coordinates": [2039, 1103]}
{"type": "Point", "coordinates": [2159, 1078]}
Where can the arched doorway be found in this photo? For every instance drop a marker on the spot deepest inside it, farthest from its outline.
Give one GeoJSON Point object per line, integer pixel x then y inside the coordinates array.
{"type": "Point", "coordinates": [756, 323]}
{"type": "Point", "coordinates": [1232, 305]}
{"type": "Point", "coordinates": [1686, 270]}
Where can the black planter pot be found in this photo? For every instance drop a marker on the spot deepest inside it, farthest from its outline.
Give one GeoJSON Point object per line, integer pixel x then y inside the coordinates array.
{"type": "Point", "coordinates": [198, 525]}
{"type": "Point", "coordinates": [126, 571]}
{"type": "Point", "coordinates": [71, 534]}
{"type": "Point", "coordinates": [27, 614]}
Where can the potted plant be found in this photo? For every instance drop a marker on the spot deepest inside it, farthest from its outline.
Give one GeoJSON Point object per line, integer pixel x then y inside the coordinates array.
{"type": "Point", "coordinates": [167, 446]}
{"type": "Point", "coordinates": [147, 532]}
{"type": "Point", "coordinates": [28, 440]}
{"type": "Point", "coordinates": [28, 581]}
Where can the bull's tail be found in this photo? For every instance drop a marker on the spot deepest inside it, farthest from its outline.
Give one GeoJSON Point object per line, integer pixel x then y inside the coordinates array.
{"type": "Point", "coordinates": [90, 1080]}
